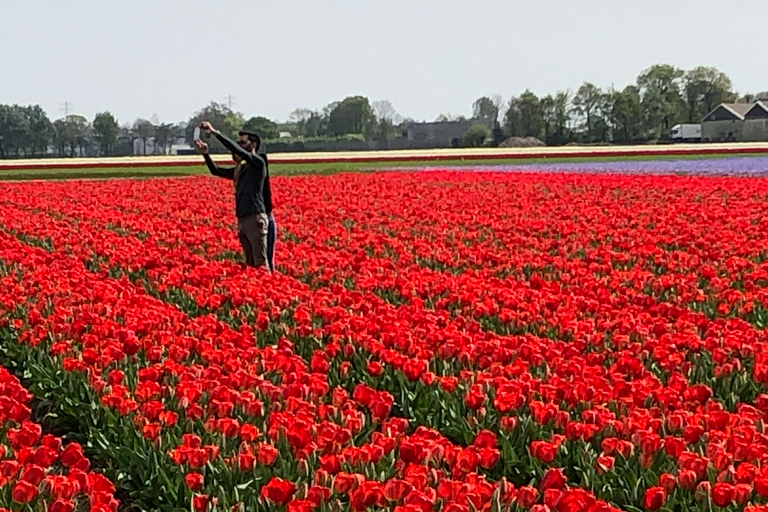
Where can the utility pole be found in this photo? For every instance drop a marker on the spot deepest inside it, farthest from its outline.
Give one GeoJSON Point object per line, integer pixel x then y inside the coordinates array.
{"type": "Point", "coordinates": [230, 101]}
{"type": "Point", "coordinates": [66, 107]}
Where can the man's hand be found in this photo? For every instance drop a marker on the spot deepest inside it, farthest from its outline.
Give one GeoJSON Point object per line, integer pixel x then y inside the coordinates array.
{"type": "Point", "coordinates": [205, 125]}
{"type": "Point", "coordinates": [202, 147]}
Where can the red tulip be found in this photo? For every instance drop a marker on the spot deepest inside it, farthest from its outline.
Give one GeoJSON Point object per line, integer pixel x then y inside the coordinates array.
{"type": "Point", "coordinates": [723, 494]}
{"type": "Point", "coordinates": [742, 494]}
{"type": "Point", "coordinates": [300, 506]}
{"type": "Point", "coordinates": [9, 469]}
{"type": "Point", "coordinates": [674, 446]}
{"type": "Point", "coordinates": [366, 495]}
{"type": "Point", "coordinates": [344, 482]}
{"type": "Point", "coordinates": [246, 461]}
{"type": "Point", "coordinates": [375, 368]}
{"type": "Point", "coordinates": [527, 496]}
{"type": "Point", "coordinates": [761, 486]}
{"type": "Point", "coordinates": [200, 502]}
{"type": "Point", "coordinates": [33, 474]}
{"type": "Point", "coordinates": [605, 464]}
{"type": "Point", "coordinates": [687, 479]}
{"type": "Point", "coordinates": [72, 455]}
{"type": "Point", "coordinates": [249, 433]}
{"type": "Point", "coordinates": [278, 491]}
{"type": "Point", "coordinates": [395, 490]}
{"type": "Point", "coordinates": [509, 423]}
{"type": "Point", "coordinates": [489, 457]}
{"type": "Point", "coordinates": [654, 499]}
{"type": "Point", "coordinates": [194, 481]}
{"type": "Point", "coordinates": [267, 454]}
{"type": "Point", "coordinates": [45, 456]}
{"type": "Point", "coordinates": [545, 452]}
{"type": "Point", "coordinates": [667, 482]}
{"type": "Point", "coordinates": [61, 505]}
{"type": "Point", "coordinates": [553, 478]}
{"type": "Point", "coordinates": [24, 492]}
{"type": "Point", "coordinates": [318, 494]}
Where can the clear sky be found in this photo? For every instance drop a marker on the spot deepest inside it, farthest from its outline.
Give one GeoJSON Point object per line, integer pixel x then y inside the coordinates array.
{"type": "Point", "coordinates": [428, 57]}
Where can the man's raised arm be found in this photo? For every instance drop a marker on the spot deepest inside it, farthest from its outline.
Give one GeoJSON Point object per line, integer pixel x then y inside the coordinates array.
{"type": "Point", "coordinates": [222, 172]}
{"type": "Point", "coordinates": [232, 146]}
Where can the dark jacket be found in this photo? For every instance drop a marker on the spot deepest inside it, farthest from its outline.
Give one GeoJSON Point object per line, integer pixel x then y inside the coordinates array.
{"type": "Point", "coordinates": [248, 177]}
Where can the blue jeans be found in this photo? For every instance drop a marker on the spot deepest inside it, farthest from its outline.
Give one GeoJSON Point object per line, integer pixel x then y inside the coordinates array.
{"type": "Point", "coordinates": [271, 238]}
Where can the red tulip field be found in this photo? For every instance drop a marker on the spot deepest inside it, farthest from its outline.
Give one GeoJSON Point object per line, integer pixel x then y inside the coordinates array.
{"type": "Point", "coordinates": [432, 341]}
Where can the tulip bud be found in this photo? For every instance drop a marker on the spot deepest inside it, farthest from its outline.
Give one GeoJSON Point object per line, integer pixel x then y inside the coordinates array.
{"type": "Point", "coordinates": [703, 491]}
{"type": "Point", "coordinates": [303, 467]}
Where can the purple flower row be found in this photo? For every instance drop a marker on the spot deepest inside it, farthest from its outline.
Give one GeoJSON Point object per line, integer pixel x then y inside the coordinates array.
{"type": "Point", "coordinates": [740, 166]}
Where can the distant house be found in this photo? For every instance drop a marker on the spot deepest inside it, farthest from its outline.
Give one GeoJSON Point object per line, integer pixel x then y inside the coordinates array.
{"type": "Point", "coordinates": [736, 122]}
{"type": "Point", "coordinates": [756, 122]}
{"type": "Point", "coordinates": [440, 134]}
{"type": "Point", "coordinates": [725, 123]}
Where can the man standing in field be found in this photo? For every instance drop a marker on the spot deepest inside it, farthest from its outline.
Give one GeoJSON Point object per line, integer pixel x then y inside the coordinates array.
{"type": "Point", "coordinates": [248, 175]}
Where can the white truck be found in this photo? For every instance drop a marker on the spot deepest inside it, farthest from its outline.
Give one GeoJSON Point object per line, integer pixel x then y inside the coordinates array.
{"type": "Point", "coordinates": [685, 133]}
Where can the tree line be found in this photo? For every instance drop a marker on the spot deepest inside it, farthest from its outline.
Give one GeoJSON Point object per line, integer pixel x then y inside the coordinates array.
{"type": "Point", "coordinates": [662, 96]}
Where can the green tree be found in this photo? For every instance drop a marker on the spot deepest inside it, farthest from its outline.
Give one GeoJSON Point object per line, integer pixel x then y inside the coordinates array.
{"type": "Point", "coordinates": [556, 119]}
{"type": "Point", "coordinates": [625, 115]}
{"type": "Point", "coordinates": [125, 138]}
{"type": "Point", "coordinates": [548, 114]}
{"type": "Point", "coordinates": [486, 111]}
{"type": "Point", "coordinates": [308, 123]}
{"type": "Point", "coordinates": [587, 105]}
{"type": "Point", "coordinates": [662, 99]}
{"type": "Point", "coordinates": [449, 118]}
{"type": "Point", "coordinates": [71, 135]}
{"type": "Point", "coordinates": [705, 88]}
{"type": "Point", "coordinates": [14, 130]}
{"type": "Point", "coordinates": [143, 130]}
{"type": "Point", "coordinates": [220, 117]}
{"type": "Point", "coordinates": [165, 135]}
{"type": "Point", "coordinates": [40, 129]}
{"type": "Point", "coordinates": [105, 129]}
{"type": "Point", "coordinates": [525, 116]}
{"type": "Point", "coordinates": [383, 109]}
{"type": "Point", "coordinates": [316, 125]}
{"type": "Point", "coordinates": [747, 98]}
{"type": "Point", "coordinates": [297, 120]}
{"type": "Point", "coordinates": [354, 115]}
{"type": "Point", "coordinates": [266, 128]}
{"type": "Point", "coordinates": [386, 120]}
{"type": "Point", "coordinates": [233, 123]}
{"type": "Point", "coordinates": [476, 135]}
{"type": "Point", "coordinates": [61, 136]}
{"type": "Point", "coordinates": [79, 129]}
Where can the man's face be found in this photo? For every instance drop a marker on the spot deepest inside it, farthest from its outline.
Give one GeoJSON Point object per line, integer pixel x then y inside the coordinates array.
{"type": "Point", "coordinates": [244, 143]}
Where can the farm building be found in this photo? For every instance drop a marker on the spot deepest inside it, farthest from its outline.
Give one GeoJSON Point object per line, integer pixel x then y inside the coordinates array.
{"type": "Point", "coordinates": [736, 122]}
{"type": "Point", "coordinates": [756, 122]}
